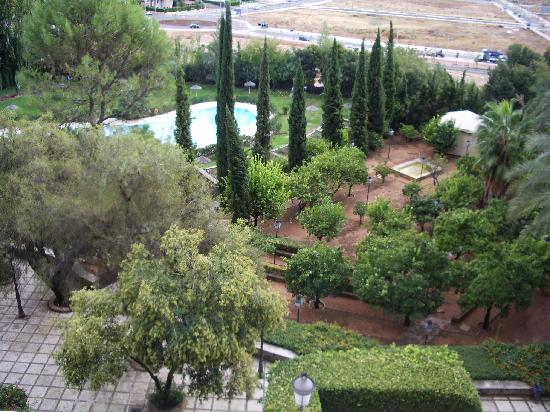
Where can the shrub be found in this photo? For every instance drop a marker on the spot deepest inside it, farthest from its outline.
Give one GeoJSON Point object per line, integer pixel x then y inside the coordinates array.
{"type": "Point", "coordinates": [360, 209]}
{"type": "Point", "coordinates": [375, 141]}
{"type": "Point", "coordinates": [409, 132]}
{"type": "Point", "coordinates": [383, 170]}
{"type": "Point", "coordinates": [441, 136]}
{"type": "Point", "coordinates": [13, 398]}
{"type": "Point", "coordinates": [459, 191]}
{"type": "Point", "coordinates": [411, 189]}
{"type": "Point", "coordinates": [397, 379]}
{"type": "Point", "coordinates": [323, 220]}
{"type": "Point", "coordinates": [479, 366]}
{"type": "Point", "coordinates": [305, 338]}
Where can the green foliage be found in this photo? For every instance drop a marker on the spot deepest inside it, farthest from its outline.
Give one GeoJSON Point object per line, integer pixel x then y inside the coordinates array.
{"type": "Point", "coordinates": [479, 365]}
{"type": "Point", "coordinates": [333, 119]}
{"type": "Point", "coordinates": [411, 189]}
{"type": "Point", "coordinates": [182, 131]}
{"type": "Point", "coordinates": [13, 398]}
{"type": "Point", "coordinates": [384, 219]}
{"type": "Point", "coordinates": [397, 379]}
{"type": "Point", "coordinates": [459, 191]}
{"type": "Point", "coordinates": [409, 132]}
{"type": "Point", "coordinates": [389, 78]}
{"type": "Point", "coordinates": [304, 338]}
{"type": "Point", "coordinates": [323, 220]}
{"type": "Point", "coordinates": [376, 140]}
{"type": "Point", "coordinates": [238, 171]}
{"type": "Point", "coordinates": [375, 89]}
{"type": "Point", "coordinates": [297, 123]}
{"type": "Point", "coordinates": [468, 165]}
{"type": "Point", "coordinates": [424, 209]}
{"type": "Point", "coordinates": [161, 316]}
{"type": "Point", "coordinates": [358, 121]}
{"type": "Point", "coordinates": [316, 147]}
{"type": "Point", "coordinates": [403, 272]}
{"type": "Point", "coordinates": [360, 209]}
{"type": "Point", "coordinates": [530, 363]}
{"type": "Point", "coordinates": [262, 139]}
{"type": "Point", "coordinates": [441, 136]}
{"type": "Point", "coordinates": [462, 231]}
{"type": "Point", "coordinates": [501, 141]}
{"type": "Point", "coordinates": [383, 170]}
{"type": "Point", "coordinates": [107, 54]}
{"type": "Point", "coordinates": [267, 188]}
{"type": "Point", "coordinates": [317, 271]}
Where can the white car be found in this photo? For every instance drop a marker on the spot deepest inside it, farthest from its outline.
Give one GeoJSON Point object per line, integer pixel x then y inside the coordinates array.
{"type": "Point", "coordinates": [148, 13]}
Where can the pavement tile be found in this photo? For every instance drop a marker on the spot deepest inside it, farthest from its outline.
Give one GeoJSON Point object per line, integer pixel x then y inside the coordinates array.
{"type": "Point", "coordinates": [120, 397]}
{"type": "Point", "coordinates": [82, 406]}
{"type": "Point", "coordinates": [220, 405]}
{"type": "Point", "coordinates": [87, 395]}
{"type": "Point", "coordinates": [41, 358]}
{"type": "Point", "coordinates": [504, 405]}
{"type": "Point", "coordinates": [205, 405]}
{"type": "Point", "coordinates": [70, 394]}
{"type": "Point", "coordinates": [237, 405]}
{"type": "Point", "coordinates": [28, 379]}
{"type": "Point", "coordinates": [254, 406]}
{"type": "Point", "coordinates": [50, 369]}
{"type": "Point", "coordinates": [537, 407]}
{"type": "Point", "coordinates": [13, 378]}
{"type": "Point", "coordinates": [66, 406]}
{"type": "Point", "coordinates": [23, 337]}
{"type": "Point", "coordinates": [12, 357]}
{"type": "Point", "coordinates": [35, 368]}
{"type": "Point", "coordinates": [31, 347]}
{"type": "Point", "coordinates": [38, 391]}
{"type": "Point", "coordinates": [54, 393]}
{"type": "Point", "coordinates": [100, 407]}
{"type": "Point", "coordinates": [58, 381]}
{"type": "Point", "coordinates": [114, 407]}
{"type": "Point", "coordinates": [19, 367]}
{"type": "Point", "coordinates": [49, 404]}
{"type": "Point", "coordinates": [3, 376]}
{"type": "Point", "coordinates": [520, 406]}
{"type": "Point", "coordinates": [6, 366]}
{"type": "Point", "coordinates": [45, 380]}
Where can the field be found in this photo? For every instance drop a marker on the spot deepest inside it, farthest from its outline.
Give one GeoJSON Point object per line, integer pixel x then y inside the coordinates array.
{"type": "Point", "coordinates": [454, 8]}
{"type": "Point", "coordinates": [413, 31]}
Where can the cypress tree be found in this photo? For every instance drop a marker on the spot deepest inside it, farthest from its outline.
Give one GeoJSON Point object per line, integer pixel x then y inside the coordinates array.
{"type": "Point", "coordinates": [228, 68]}
{"type": "Point", "coordinates": [376, 101]}
{"type": "Point", "coordinates": [389, 79]}
{"type": "Point", "coordinates": [297, 122]}
{"type": "Point", "coordinates": [262, 139]}
{"type": "Point", "coordinates": [358, 133]}
{"type": "Point", "coordinates": [333, 119]}
{"type": "Point", "coordinates": [238, 169]}
{"type": "Point", "coordinates": [182, 132]}
{"type": "Point", "coordinates": [221, 143]}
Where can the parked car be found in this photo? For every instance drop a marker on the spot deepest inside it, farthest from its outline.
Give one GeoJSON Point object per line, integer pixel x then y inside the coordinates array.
{"type": "Point", "coordinates": [263, 25]}
{"type": "Point", "coordinates": [303, 38]}
{"type": "Point", "coordinates": [194, 26]}
{"type": "Point", "coordinates": [148, 13]}
{"type": "Point", "coordinates": [492, 56]}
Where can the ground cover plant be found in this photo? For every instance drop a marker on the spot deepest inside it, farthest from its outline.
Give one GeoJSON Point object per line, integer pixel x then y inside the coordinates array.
{"type": "Point", "coordinates": [13, 398]}
{"type": "Point", "coordinates": [397, 379]}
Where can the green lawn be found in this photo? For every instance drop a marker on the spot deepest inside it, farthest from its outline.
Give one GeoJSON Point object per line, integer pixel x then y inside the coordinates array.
{"type": "Point", "coordinates": [27, 106]}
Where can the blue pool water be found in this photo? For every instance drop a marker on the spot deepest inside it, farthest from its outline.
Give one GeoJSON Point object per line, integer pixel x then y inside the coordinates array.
{"type": "Point", "coordinates": [203, 123]}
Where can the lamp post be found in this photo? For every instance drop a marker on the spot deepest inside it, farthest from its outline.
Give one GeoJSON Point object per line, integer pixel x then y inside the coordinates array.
{"type": "Point", "coordinates": [391, 132]}
{"type": "Point", "coordinates": [422, 159]}
{"type": "Point", "coordinates": [277, 226]}
{"type": "Point", "coordinates": [299, 301]}
{"type": "Point", "coordinates": [369, 182]}
{"type": "Point", "coordinates": [261, 356]}
{"type": "Point", "coordinates": [467, 147]}
{"type": "Point", "coordinates": [303, 387]}
{"type": "Point", "coordinates": [428, 327]}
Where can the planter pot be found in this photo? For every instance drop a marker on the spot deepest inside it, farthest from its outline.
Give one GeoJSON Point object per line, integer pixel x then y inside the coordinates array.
{"type": "Point", "coordinates": [178, 408]}
{"type": "Point", "coordinates": [58, 309]}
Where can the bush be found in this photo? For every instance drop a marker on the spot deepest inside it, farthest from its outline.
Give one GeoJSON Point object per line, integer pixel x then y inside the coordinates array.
{"type": "Point", "coordinates": [396, 379]}
{"type": "Point", "coordinates": [13, 398]}
{"type": "Point", "coordinates": [305, 338]}
{"type": "Point", "coordinates": [409, 132]}
{"type": "Point", "coordinates": [459, 191]}
{"type": "Point", "coordinates": [441, 136]}
{"type": "Point", "coordinates": [162, 402]}
{"type": "Point", "coordinates": [479, 366]}
{"type": "Point", "coordinates": [375, 141]}
{"type": "Point", "coordinates": [383, 170]}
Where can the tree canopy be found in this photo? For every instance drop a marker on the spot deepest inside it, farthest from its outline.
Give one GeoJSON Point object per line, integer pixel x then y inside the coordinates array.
{"type": "Point", "coordinates": [323, 220]}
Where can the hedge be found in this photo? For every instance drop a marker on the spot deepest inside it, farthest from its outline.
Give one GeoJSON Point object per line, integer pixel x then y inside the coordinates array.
{"type": "Point", "coordinates": [479, 366]}
{"type": "Point", "coordinates": [305, 338]}
{"type": "Point", "coordinates": [396, 379]}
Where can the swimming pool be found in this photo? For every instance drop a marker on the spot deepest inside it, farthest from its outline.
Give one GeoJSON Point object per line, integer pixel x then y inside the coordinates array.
{"type": "Point", "coordinates": [203, 123]}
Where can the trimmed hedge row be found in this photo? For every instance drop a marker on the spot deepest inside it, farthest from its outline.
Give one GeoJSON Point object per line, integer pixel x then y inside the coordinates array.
{"type": "Point", "coordinates": [397, 379]}
{"type": "Point", "coordinates": [172, 9]}
{"type": "Point", "coordinates": [479, 366]}
{"type": "Point", "coordinates": [304, 338]}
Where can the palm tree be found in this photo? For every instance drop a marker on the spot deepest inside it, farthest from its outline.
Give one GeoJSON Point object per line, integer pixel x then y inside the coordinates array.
{"type": "Point", "coordinates": [501, 144]}
{"type": "Point", "coordinates": [532, 186]}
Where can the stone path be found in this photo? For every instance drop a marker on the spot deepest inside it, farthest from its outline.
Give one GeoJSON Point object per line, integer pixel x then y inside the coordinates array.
{"type": "Point", "coordinates": [26, 348]}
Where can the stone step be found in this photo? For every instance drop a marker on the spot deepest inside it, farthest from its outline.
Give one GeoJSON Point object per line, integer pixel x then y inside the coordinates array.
{"type": "Point", "coordinates": [504, 388]}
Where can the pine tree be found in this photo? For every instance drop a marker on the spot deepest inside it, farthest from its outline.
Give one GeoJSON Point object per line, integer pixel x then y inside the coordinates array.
{"type": "Point", "coordinates": [389, 79]}
{"type": "Point", "coordinates": [238, 169]}
{"type": "Point", "coordinates": [376, 101]}
{"type": "Point", "coordinates": [358, 134]}
{"type": "Point", "coordinates": [262, 139]}
{"type": "Point", "coordinates": [226, 93]}
{"type": "Point", "coordinates": [182, 132]}
{"type": "Point", "coordinates": [297, 122]}
{"type": "Point", "coordinates": [333, 119]}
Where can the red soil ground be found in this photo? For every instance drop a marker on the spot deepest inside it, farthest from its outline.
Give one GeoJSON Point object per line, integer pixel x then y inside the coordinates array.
{"type": "Point", "coordinates": [528, 326]}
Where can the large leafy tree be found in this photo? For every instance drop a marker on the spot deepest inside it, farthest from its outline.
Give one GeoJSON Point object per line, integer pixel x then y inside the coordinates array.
{"type": "Point", "coordinates": [424, 209]}
{"type": "Point", "coordinates": [297, 122]}
{"type": "Point", "coordinates": [182, 132]}
{"type": "Point", "coordinates": [262, 139]}
{"type": "Point", "coordinates": [383, 219]}
{"type": "Point", "coordinates": [532, 186]}
{"type": "Point", "coordinates": [268, 189]}
{"type": "Point", "coordinates": [389, 78]}
{"type": "Point", "coordinates": [375, 86]}
{"type": "Point", "coordinates": [505, 277]}
{"type": "Point", "coordinates": [107, 55]}
{"type": "Point", "coordinates": [358, 134]}
{"type": "Point", "coordinates": [323, 220]}
{"type": "Point", "coordinates": [459, 191]}
{"type": "Point", "coordinates": [89, 198]}
{"type": "Point", "coordinates": [333, 118]}
{"type": "Point", "coordinates": [501, 141]}
{"type": "Point", "coordinates": [161, 317]}
{"type": "Point", "coordinates": [441, 136]}
{"type": "Point", "coordinates": [403, 273]}
{"type": "Point", "coordinates": [316, 272]}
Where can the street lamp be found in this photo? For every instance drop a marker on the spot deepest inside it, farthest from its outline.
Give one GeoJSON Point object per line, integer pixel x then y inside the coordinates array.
{"type": "Point", "coordinates": [261, 356]}
{"type": "Point", "coordinates": [299, 301]}
{"type": "Point", "coordinates": [391, 132]}
{"type": "Point", "coordinates": [467, 147]}
{"type": "Point", "coordinates": [422, 160]}
{"type": "Point", "coordinates": [369, 182]}
{"type": "Point", "coordinates": [428, 327]}
{"type": "Point", "coordinates": [303, 387]}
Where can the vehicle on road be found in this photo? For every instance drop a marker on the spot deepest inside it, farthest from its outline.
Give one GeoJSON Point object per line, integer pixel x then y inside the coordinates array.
{"type": "Point", "coordinates": [148, 13]}
{"type": "Point", "coordinates": [303, 38]}
{"type": "Point", "coordinates": [194, 26]}
{"type": "Point", "coordinates": [263, 25]}
{"type": "Point", "coordinates": [492, 56]}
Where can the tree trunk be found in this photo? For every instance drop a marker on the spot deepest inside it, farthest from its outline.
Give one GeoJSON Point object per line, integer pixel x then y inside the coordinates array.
{"type": "Point", "coordinates": [255, 221]}
{"type": "Point", "coordinates": [407, 321]}
{"type": "Point", "coordinates": [422, 226]}
{"type": "Point", "coordinates": [360, 220]}
{"type": "Point", "coordinates": [317, 303]}
{"type": "Point", "coordinates": [487, 319]}
{"type": "Point", "coordinates": [349, 190]}
{"type": "Point", "coordinates": [168, 385]}
{"type": "Point", "coordinates": [21, 313]}
{"type": "Point", "coordinates": [156, 380]}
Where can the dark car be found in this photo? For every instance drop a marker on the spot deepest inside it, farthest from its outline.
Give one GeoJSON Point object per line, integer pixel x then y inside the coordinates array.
{"type": "Point", "coordinates": [263, 25]}
{"type": "Point", "coordinates": [303, 38]}
{"type": "Point", "coordinates": [194, 26]}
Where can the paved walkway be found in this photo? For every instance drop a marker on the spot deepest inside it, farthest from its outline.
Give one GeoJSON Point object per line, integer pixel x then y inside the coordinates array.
{"type": "Point", "coordinates": [26, 348]}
